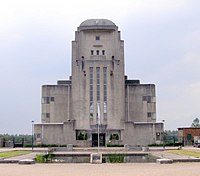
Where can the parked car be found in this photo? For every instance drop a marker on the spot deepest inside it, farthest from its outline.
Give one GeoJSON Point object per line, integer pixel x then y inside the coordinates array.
{"type": "Point", "coordinates": [197, 144]}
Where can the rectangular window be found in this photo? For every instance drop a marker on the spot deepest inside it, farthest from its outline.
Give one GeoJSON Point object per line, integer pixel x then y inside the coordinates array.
{"type": "Point", "coordinates": [103, 52]}
{"type": "Point", "coordinates": [105, 83]}
{"type": "Point", "coordinates": [97, 52]}
{"type": "Point", "coordinates": [91, 96]}
{"type": "Point", "coordinates": [105, 107]}
{"type": "Point", "coordinates": [91, 80]}
{"type": "Point", "coordinates": [147, 98]}
{"type": "Point", "coordinates": [97, 37]}
{"type": "Point", "coordinates": [105, 92]}
{"type": "Point", "coordinates": [38, 135]}
{"type": "Point", "coordinates": [45, 115]}
{"type": "Point", "coordinates": [92, 52]}
{"type": "Point", "coordinates": [47, 100]}
{"type": "Point", "coordinates": [91, 108]}
{"type": "Point", "coordinates": [148, 114]}
{"type": "Point", "coordinates": [98, 83]}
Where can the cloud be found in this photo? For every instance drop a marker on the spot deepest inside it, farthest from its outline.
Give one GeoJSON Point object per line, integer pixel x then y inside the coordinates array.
{"type": "Point", "coordinates": [161, 46]}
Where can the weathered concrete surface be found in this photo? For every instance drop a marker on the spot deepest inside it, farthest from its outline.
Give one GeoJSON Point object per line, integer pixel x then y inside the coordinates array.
{"type": "Point", "coordinates": [183, 169]}
{"type": "Point", "coordinates": [27, 161]}
{"type": "Point", "coordinates": [96, 158]}
{"type": "Point", "coordinates": [164, 161]}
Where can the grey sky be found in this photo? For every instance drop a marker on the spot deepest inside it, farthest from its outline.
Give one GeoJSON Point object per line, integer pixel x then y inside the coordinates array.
{"type": "Point", "coordinates": [162, 41]}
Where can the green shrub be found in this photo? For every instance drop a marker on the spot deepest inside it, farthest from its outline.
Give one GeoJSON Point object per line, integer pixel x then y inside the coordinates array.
{"type": "Point", "coordinates": [40, 159]}
{"type": "Point", "coordinates": [115, 158]}
{"type": "Point", "coordinates": [47, 158]}
{"type": "Point", "coordinates": [82, 136]}
{"type": "Point", "coordinates": [114, 137]}
{"type": "Point", "coordinates": [45, 145]}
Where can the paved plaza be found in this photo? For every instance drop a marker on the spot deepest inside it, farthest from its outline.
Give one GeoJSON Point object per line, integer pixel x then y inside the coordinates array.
{"type": "Point", "coordinates": [183, 169]}
{"type": "Point", "coordinates": [105, 169]}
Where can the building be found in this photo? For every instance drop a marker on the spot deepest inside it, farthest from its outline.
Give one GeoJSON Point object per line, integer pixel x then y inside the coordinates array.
{"type": "Point", "coordinates": [188, 135]}
{"type": "Point", "coordinates": [98, 91]}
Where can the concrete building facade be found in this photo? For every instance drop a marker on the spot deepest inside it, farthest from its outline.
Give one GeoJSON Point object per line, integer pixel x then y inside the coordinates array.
{"type": "Point", "coordinates": [98, 92]}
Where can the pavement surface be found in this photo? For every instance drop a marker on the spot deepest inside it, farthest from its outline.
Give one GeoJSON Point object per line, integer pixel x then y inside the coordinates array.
{"type": "Point", "coordinates": [105, 169]}
{"type": "Point", "coordinates": [178, 169]}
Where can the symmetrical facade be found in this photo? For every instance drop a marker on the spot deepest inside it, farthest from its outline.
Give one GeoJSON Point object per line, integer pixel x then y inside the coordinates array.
{"type": "Point", "coordinates": [98, 92]}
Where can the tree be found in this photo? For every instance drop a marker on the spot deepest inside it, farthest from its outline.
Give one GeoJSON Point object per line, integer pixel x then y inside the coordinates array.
{"type": "Point", "coordinates": [195, 123]}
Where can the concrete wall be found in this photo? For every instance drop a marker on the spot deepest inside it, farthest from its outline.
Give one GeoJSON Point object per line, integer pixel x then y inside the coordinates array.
{"type": "Point", "coordinates": [137, 105]}
{"type": "Point", "coordinates": [142, 134]}
{"type": "Point", "coordinates": [58, 108]}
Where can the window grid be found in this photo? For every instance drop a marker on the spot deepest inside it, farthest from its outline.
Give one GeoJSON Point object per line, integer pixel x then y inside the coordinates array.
{"type": "Point", "coordinates": [105, 91]}
{"type": "Point", "coordinates": [91, 92]}
{"type": "Point", "coordinates": [98, 83]}
{"type": "Point", "coordinates": [47, 100]}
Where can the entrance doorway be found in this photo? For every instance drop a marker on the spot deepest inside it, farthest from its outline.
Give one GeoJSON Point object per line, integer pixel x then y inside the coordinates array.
{"type": "Point", "coordinates": [101, 140]}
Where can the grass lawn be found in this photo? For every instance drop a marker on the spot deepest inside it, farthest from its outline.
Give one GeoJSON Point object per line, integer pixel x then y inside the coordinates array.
{"type": "Point", "coordinates": [13, 153]}
{"type": "Point", "coordinates": [186, 152]}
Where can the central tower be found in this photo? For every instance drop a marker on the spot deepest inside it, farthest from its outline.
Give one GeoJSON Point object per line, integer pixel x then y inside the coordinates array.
{"type": "Point", "coordinates": [98, 76]}
{"type": "Point", "coordinates": [98, 87]}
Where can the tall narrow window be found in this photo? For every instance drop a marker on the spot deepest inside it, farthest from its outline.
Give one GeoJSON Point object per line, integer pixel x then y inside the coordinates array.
{"type": "Point", "coordinates": [105, 91]}
{"type": "Point", "coordinates": [92, 52]}
{"type": "Point", "coordinates": [103, 52]}
{"type": "Point", "coordinates": [98, 83]}
{"type": "Point", "coordinates": [91, 92]}
{"type": "Point", "coordinates": [105, 83]}
{"type": "Point", "coordinates": [97, 52]}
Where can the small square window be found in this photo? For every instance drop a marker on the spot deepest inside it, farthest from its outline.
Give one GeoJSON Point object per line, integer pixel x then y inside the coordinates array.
{"type": "Point", "coordinates": [38, 135]}
{"type": "Point", "coordinates": [149, 114]}
{"type": "Point", "coordinates": [97, 37]}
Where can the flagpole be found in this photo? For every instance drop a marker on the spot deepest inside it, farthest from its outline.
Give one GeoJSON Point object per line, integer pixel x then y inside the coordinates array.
{"type": "Point", "coordinates": [98, 125]}
{"type": "Point", "coordinates": [98, 137]}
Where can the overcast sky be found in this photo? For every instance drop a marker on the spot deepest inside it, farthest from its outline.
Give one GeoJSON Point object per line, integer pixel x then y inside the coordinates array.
{"type": "Point", "coordinates": [162, 46]}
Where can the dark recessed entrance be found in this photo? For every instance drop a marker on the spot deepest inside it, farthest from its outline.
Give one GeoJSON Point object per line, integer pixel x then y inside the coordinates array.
{"type": "Point", "coordinates": [101, 140]}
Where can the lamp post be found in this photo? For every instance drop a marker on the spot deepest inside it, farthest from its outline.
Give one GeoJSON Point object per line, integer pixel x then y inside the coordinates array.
{"type": "Point", "coordinates": [163, 134]}
{"type": "Point", "coordinates": [32, 141]}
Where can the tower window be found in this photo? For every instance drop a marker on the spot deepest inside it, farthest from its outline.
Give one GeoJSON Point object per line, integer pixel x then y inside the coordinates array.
{"type": "Point", "coordinates": [98, 83]}
{"type": "Point", "coordinates": [103, 52]}
{"type": "Point", "coordinates": [97, 37]}
{"type": "Point", "coordinates": [45, 115]}
{"type": "Point", "coordinates": [97, 52]}
{"type": "Point", "coordinates": [91, 108]}
{"type": "Point", "coordinates": [92, 52]}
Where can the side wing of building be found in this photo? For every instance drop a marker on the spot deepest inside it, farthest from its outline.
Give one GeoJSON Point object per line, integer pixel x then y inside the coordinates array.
{"type": "Point", "coordinates": [140, 124]}
{"type": "Point", "coordinates": [56, 126]}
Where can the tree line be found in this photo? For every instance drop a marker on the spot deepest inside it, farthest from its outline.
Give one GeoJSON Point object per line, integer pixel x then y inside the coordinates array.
{"type": "Point", "coordinates": [18, 138]}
